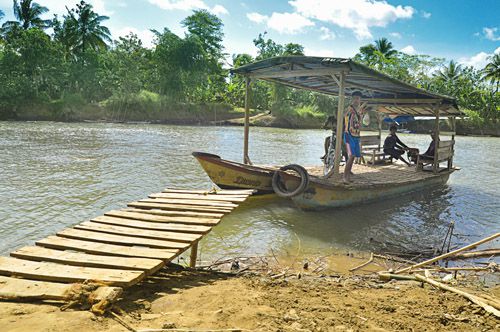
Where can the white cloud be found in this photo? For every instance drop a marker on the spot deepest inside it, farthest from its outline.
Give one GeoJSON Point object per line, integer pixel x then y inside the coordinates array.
{"type": "Point", "coordinates": [426, 14]}
{"type": "Point", "coordinates": [59, 7]}
{"type": "Point", "coordinates": [288, 23]}
{"type": "Point", "coordinates": [285, 23]}
{"type": "Point", "coordinates": [257, 18]}
{"type": "Point", "coordinates": [409, 50]}
{"type": "Point", "coordinates": [146, 36]}
{"type": "Point", "coordinates": [326, 34]}
{"type": "Point", "coordinates": [188, 5]}
{"type": "Point", "coordinates": [395, 35]}
{"type": "Point", "coordinates": [479, 60]}
{"type": "Point", "coordinates": [356, 15]}
{"type": "Point", "coordinates": [490, 33]}
{"type": "Point", "coordinates": [219, 10]}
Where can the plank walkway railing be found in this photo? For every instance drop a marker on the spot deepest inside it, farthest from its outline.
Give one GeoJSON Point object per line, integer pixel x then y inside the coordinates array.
{"type": "Point", "coordinates": [120, 248]}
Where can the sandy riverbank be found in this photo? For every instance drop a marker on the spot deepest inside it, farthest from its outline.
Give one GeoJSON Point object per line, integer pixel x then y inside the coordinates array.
{"type": "Point", "coordinates": [330, 300]}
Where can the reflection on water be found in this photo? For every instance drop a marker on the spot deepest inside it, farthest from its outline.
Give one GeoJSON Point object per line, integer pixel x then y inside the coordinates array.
{"type": "Point", "coordinates": [55, 175]}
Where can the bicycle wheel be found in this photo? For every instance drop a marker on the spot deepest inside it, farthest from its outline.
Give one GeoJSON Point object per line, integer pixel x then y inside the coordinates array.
{"type": "Point", "coordinates": [329, 161]}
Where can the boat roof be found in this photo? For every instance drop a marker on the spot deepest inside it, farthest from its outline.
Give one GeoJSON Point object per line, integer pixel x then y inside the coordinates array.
{"type": "Point", "coordinates": [388, 95]}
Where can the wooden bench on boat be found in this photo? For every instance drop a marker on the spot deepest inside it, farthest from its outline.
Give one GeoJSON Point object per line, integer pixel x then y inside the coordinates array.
{"type": "Point", "coordinates": [445, 151]}
{"type": "Point", "coordinates": [370, 147]}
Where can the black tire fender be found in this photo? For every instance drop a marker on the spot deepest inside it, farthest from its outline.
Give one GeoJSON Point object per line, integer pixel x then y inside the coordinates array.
{"type": "Point", "coordinates": [279, 187]}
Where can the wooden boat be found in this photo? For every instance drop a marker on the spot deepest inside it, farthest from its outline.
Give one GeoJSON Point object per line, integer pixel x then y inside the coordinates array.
{"type": "Point", "coordinates": [369, 184]}
{"type": "Point", "coordinates": [341, 77]}
{"type": "Point", "coordinates": [231, 175]}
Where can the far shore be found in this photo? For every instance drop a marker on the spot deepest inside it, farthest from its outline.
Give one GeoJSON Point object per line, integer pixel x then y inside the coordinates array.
{"type": "Point", "coordinates": [266, 120]}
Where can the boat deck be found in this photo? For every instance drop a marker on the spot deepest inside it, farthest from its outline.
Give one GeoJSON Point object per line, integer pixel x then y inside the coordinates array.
{"type": "Point", "coordinates": [364, 175]}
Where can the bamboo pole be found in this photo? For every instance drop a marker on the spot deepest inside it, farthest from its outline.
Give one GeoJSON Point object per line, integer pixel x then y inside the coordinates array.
{"type": "Point", "coordinates": [479, 253]}
{"type": "Point", "coordinates": [246, 159]}
{"type": "Point", "coordinates": [340, 120]}
{"type": "Point", "coordinates": [451, 253]}
{"type": "Point", "coordinates": [488, 305]}
{"type": "Point", "coordinates": [362, 265]}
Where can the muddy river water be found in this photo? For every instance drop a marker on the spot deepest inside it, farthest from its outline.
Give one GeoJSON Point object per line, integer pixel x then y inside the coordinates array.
{"type": "Point", "coordinates": [54, 175]}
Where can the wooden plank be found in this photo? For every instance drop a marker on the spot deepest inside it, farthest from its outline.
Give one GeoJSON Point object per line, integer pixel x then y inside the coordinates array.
{"type": "Point", "coordinates": [155, 218]}
{"type": "Point", "coordinates": [201, 197]}
{"type": "Point", "coordinates": [65, 273]}
{"type": "Point", "coordinates": [443, 155]}
{"type": "Point", "coordinates": [217, 204]}
{"type": "Point", "coordinates": [119, 239]}
{"type": "Point", "coordinates": [218, 191]}
{"type": "Point", "coordinates": [22, 289]}
{"type": "Point", "coordinates": [443, 144]}
{"type": "Point", "coordinates": [123, 230]}
{"type": "Point", "coordinates": [157, 204]}
{"type": "Point", "coordinates": [56, 242]}
{"type": "Point", "coordinates": [83, 259]}
{"type": "Point", "coordinates": [169, 227]}
{"type": "Point", "coordinates": [176, 213]}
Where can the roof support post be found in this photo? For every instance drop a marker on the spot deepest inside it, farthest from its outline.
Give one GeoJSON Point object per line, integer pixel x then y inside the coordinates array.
{"type": "Point", "coordinates": [246, 159]}
{"type": "Point", "coordinates": [379, 123]}
{"type": "Point", "coordinates": [435, 166]}
{"type": "Point", "coordinates": [340, 120]}
{"type": "Point", "coordinates": [454, 130]}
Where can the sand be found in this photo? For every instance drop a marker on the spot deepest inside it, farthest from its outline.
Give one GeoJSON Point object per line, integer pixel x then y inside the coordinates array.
{"type": "Point", "coordinates": [189, 299]}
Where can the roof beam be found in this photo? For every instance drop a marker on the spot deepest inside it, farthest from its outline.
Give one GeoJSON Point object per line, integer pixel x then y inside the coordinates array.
{"type": "Point", "coordinates": [296, 73]}
{"type": "Point", "coordinates": [410, 101]}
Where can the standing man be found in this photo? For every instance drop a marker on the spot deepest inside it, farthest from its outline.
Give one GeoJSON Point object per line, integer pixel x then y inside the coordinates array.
{"type": "Point", "coordinates": [352, 128]}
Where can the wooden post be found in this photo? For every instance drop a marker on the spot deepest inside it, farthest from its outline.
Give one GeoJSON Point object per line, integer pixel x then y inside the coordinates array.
{"type": "Point", "coordinates": [454, 130]}
{"type": "Point", "coordinates": [436, 140]}
{"type": "Point", "coordinates": [379, 120]}
{"type": "Point", "coordinates": [340, 121]}
{"type": "Point", "coordinates": [246, 159]}
{"type": "Point", "coordinates": [193, 255]}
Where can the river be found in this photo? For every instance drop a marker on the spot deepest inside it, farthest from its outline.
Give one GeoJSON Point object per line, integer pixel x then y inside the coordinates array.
{"type": "Point", "coordinates": [55, 175]}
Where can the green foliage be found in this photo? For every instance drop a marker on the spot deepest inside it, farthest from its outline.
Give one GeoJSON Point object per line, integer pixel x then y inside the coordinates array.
{"type": "Point", "coordinates": [78, 71]}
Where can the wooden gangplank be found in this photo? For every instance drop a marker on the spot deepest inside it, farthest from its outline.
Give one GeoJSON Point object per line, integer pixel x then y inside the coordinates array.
{"type": "Point", "coordinates": [120, 248]}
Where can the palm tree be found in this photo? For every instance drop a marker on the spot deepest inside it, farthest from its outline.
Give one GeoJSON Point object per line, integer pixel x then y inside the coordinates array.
{"type": "Point", "coordinates": [28, 15]}
{"type": "Point", "coordinates": [492, 71]}
{"type": "Point", "coordinates": [378, 53]}
{"type": "Point", "coordinates": [385, 47]}
{"type": "Point", "coordinates": [450, 73]}
{"type": "Point", "coordinates": [85, 30]}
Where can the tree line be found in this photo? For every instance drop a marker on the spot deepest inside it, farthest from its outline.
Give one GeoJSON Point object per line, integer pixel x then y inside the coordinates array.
{"type": "Point", "coordinates": [73, 60]}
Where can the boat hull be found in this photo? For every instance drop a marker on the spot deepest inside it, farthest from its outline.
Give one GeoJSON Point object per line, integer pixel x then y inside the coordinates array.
{"type": "Point", "coordinates": [232, 175]}
{"type": "Point", "coordinates": [322, 196]}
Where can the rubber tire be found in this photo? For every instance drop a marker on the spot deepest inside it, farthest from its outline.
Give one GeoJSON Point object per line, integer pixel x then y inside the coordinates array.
{"type": "Point", "coordinates": [281, 191]}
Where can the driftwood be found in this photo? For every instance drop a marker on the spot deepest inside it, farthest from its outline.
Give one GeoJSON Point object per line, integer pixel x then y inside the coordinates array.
{"type": "Point", "coordinates": [362, 265]}
{"type": "Point", "coordinates": [491, 306]}
{"type": "Point", "coordinates": [451, 253]}
{"type": "Point", "coordinates": [390, 276]}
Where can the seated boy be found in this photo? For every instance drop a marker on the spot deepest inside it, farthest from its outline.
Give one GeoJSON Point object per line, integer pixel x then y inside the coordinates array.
{"type": "Point", "coordinates": [393, 145]}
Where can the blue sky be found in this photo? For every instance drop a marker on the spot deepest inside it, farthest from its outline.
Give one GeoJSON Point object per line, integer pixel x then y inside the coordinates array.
{"type": "Point", "coordinates": [464, 30]}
